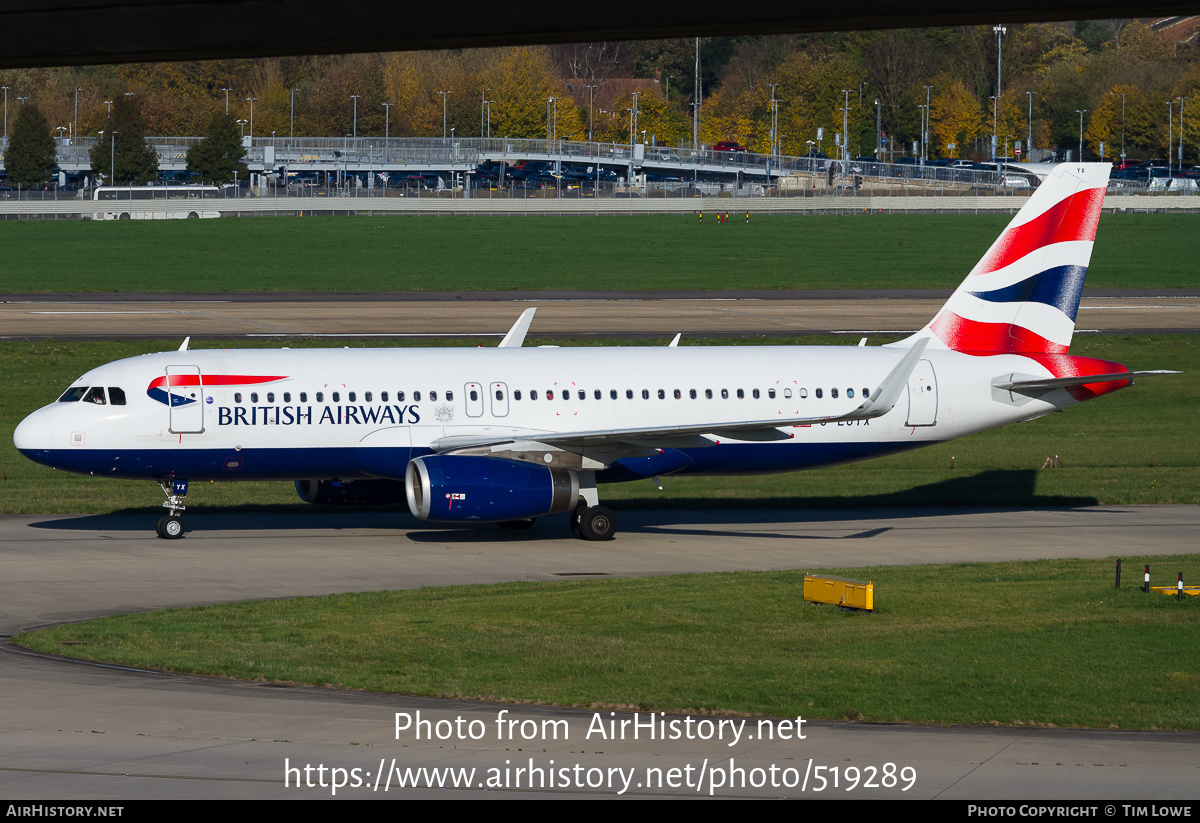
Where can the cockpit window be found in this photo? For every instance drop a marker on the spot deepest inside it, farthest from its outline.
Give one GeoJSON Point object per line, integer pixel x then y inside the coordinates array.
{"type": "Point", "coordinates": [94, 395]}
{"type": "Point", "coordinates": [73, 395]}
{"type": "Point", "coordinates": [116, 396]}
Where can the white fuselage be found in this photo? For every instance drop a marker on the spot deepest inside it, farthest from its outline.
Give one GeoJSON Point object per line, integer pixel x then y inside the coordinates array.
{"type": "Point", "coordinates": [316, 414]}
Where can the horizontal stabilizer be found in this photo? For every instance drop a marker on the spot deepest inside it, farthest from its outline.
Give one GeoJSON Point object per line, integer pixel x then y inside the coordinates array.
{"type": "Point", "coordinates": [1013, 384]}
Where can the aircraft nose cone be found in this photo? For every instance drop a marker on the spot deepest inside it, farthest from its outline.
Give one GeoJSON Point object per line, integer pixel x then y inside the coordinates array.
{"type": "Point", "coordinates": [34, 433]}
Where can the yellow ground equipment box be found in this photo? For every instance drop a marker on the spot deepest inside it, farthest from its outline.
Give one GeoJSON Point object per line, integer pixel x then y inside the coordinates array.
{"type": "Point", "coordinates": [850, 594]}
{"type": "Point", "coordinates": [1170, 591]}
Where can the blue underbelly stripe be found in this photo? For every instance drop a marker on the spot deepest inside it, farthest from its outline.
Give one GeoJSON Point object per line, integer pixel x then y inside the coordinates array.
{"type": "Point", "coordinates": [350, 462]}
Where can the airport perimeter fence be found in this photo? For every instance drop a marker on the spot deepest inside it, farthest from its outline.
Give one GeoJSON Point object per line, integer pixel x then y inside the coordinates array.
{"type": "Point", "coordinates": [701, 207]}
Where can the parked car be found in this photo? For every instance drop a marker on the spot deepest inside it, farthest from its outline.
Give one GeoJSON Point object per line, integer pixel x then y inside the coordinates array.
{"type": "Point", "coordinates": [1015, 181]}
{"type": "Point", "coordinates": [728, 145]}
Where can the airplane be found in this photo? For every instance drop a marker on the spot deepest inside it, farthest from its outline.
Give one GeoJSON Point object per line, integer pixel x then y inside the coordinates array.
{"type": "Point", "coordinates": [509, 434]}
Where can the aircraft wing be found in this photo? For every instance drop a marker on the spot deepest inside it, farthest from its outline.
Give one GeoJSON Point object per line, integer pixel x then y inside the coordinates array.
{"type": "Point", "coordinates": [883, 401]}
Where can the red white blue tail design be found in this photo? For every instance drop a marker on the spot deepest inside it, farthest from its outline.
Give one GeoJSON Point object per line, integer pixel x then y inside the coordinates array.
{"type": "Point", "coordinates": [1023, 295]}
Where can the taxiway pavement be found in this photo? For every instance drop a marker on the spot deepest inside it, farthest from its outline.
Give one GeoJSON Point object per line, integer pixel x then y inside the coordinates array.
{"type": "Point", "coordinates": [487, 315]}
{"type": "Point", "coordinates": [70, 730]}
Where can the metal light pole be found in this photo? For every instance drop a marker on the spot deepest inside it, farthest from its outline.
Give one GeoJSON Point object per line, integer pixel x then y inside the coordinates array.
{"type": "Point", "coordinates": [778, 147]}
{"type": "Point", "coordinates": [924, 113]}
{"type": "Point", "coordinates": [292, 125]}
{"type": "Point", "coordinates": [1081, 112]}
{"type": "Point", "coordinates": [846, 130]}
{"type": "Point", "coordinates": [252, 99]}
{"type": "Point", "coordinates": [226, 99]}
{"type": "Point", "coordinates": [5, 111]}
{"type": "Point", "coordinates": [387, 119]}
{"type": "Point", "coordinates": [75, 126]}
{"type": "Point", "coordinates": [482, 107]}
{"type": "Point", "coordinates": [444, 94]}
{"type": "Point", "coordinates": [635, 113]}
{"type": "Point", "coordinates": [632, 138]}
{"type": "Point", "coordinates": [1170, 133]}
{"type": "Point", "coordinates": [591, 112]}
{"type": "Point", "coordinates": [108, 108]}
{"type": "Point", "coordinates": [112, 157]}
{"type": "Point", "coordinates": [489, 117]}
{"type": "Point", "coordinates": [999, 32]}
{"type": "Point", "coordinates": [1122, 96]}
{"type": "Point", "coordinates": [697, 92]}
{"type": "Point", "coordinates": [774, 109]}
{"type": "Point", "coordinates": [1029, 137]}
{"type": "Point", "coordinates": [354, 130]}
{"type": "Point", "coordinates": [1180, 158]}
{"type": "Point", "coordinates": [925, 134]}
{"type": "Point", "coordinates": [995, 154]}
{"type": "Point", "coordinates": [878, 131]}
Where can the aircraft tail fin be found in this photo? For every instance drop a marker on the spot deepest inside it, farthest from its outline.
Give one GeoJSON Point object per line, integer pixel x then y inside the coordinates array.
{"type": "Point", "coordinates": [1023, 295]}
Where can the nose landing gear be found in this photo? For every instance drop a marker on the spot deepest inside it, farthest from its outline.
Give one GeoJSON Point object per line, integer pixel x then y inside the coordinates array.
{"type": "Point", "coordinates": [170, 525]}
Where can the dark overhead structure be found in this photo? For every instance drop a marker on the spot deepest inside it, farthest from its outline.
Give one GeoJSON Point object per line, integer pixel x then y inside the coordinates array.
{"type": "Point", "coordinates": [89, 32]}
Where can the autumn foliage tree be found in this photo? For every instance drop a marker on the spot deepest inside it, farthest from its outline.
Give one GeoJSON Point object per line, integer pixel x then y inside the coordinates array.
{"type": "Point", "coordinates": [821, 81]}
{"type": "Point", "coordinates": [954, 117]}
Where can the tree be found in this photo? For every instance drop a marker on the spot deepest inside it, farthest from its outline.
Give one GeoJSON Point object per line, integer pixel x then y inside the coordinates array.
{"type": "Point", "coordinates": [220, 153]}
{"type": "Point", "coordinates": [955, 117]}
{"type": "Point", "coordinates": [132, 160]}
{"type": "Point", "coordinates": [31, 155]}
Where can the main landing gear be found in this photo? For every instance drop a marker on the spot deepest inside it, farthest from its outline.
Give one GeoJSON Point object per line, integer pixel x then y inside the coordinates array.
{"type": "Point", "coordinates": [593, 522]}
{"type": "Point", "coordinates": [590, 520]}
{"type": "Point", "coordinates": [170, 525]}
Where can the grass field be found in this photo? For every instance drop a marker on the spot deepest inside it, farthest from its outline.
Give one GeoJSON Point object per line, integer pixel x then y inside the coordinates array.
{"type": "Point", "coordinates": [1135, 446]}
{"type": "Point", "coordinates": [1047, 642]}
{"type": "Point", "coordinates": [548, 252]}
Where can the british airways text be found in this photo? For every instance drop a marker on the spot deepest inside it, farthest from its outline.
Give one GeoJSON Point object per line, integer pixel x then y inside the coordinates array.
{"type": "Point", "coordinates": [306, 416]}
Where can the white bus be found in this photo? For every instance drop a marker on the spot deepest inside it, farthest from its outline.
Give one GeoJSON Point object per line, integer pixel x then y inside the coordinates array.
{"type": "Point", "coordinates": [155, 202]}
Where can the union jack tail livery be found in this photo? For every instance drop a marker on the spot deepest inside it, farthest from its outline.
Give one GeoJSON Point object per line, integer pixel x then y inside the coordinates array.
{"type": "Point", "coordinates": [1023, 295]}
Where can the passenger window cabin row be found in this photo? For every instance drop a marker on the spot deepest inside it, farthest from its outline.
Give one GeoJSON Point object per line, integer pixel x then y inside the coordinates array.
{"type": "Point", "coordinates": [116, 396]}
{"type": "Point", "coordinates": [678, 394]}
{"type": "Point", "coordinates": [551, 394]}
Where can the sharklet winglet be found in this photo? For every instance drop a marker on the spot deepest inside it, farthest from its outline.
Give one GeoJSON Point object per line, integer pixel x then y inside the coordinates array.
{"type": "Point", "coordinates": [516, 335]}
